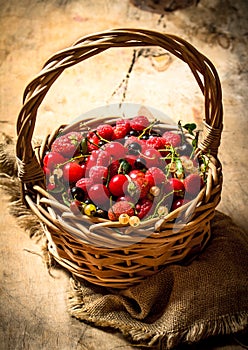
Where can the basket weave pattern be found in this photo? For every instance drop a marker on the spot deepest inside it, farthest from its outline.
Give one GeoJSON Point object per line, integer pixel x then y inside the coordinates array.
{"type": "Point", "coordinates": [80, 244]}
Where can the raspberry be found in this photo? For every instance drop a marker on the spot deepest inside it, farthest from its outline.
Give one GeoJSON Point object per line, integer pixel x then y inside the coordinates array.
{"type": "Point", "coordinates": [98, 174]}
{"type": "Point", "coordinates": [121, 129]}
{"type": "Point", "coordinates": [103, 158]}
{"type": "Point", "coordinates": [105, 131]}
{"type": "Point", "coordinates": [157, 142]}
{"type": "Point", "coordinates": [85, 183]}
{"type": "Point", "coordinates": [155, 176]}
{"type": "Point", "coordinates": [193, 184]}
{"type": "Point", "coordinates": [172, 139]}
{"type": "Point", "coordinates": [121, 207]}
{"type": "Point", "coordinates": [143, 207]}
{"type": "Point", "coordinates": [139, 123]}
{"type": "Point", "coordinates": [118, 133]}
{"type": "Point", "coordinates": [92, 160]}
{"type": "Point", "coordinates": [67, 144]}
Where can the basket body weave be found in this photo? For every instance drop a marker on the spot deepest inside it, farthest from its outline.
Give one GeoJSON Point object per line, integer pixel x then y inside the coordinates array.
{"type": "Point", "coordinates": [93, 250]}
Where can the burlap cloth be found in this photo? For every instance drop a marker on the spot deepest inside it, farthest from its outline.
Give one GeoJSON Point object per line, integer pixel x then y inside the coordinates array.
{"type": "Point", "coordinates": [180, 304]}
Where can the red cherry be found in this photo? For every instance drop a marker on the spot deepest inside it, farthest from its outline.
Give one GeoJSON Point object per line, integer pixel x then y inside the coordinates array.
{"type": "Point", "coordinates": [116, 185]}
{"type": "Point", "coordinates": [52, 159]}
{"type": "Point", "coordinates": [115, 149]}
{"type": "Point", "coordinates": [72, 172]}
{"type": "Point", "coordinates": [99, 194]}
{"type": "Point", "coordinates": [131, 159]}
{"type": "Point", "coordinates": [152, 157]}
{"type": "Point", "coordinates": [177, 186]}
{"type": "Point", "coordinates": [83, 166]}
{"type": "Point", "coordinates": [178, 202]}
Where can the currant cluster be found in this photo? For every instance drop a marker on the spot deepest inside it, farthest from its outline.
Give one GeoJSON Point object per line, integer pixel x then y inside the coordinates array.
{"type": "Point", "coordinates": [126, 172]}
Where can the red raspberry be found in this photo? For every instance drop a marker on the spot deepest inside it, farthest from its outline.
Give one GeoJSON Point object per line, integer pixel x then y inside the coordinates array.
{"type": "Point", "coordinates": [85, 183]}
{"type": "Point", "coordinates": [92, 160]}
{"type": "Point", "coordinates": [119, 133]}
{"type": "Point", "coordinates": [172, 139]}
{"type": "Point", "coordinates": [193, 183]}
{"type": "Point", "coordinates": [157, 142]}
{"type": "Point", "coordinates": [139, 123]}
{"type": "Point", "coordinates": [121, 129]}
{"type": "Point", "coordinates": [123, 124]}
{"type": "Point", "coordinates": [121, 207]}
{"type": "Point", "coordinates": [98, 174]}
{"type": "Point", "coordinates": [67, 144]}
{"type": "Point", "coordinates": [155, 176]}
{"type": "Point", "coordinates": [105, 131]}
{"type": "Point", "coordinates": [143, 207]}
{"type": "Point", "coordinates": [103, 158]}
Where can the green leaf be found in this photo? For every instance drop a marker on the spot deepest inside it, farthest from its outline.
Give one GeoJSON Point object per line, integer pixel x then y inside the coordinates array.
{"type": "Point", "coordinates": [190, 127]}
{"type": "Point", "coordinates": [124, 167]}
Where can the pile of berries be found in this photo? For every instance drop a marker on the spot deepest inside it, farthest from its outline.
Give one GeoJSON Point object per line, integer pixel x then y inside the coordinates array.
{"type": "Point", "coordinates": [126, 172]}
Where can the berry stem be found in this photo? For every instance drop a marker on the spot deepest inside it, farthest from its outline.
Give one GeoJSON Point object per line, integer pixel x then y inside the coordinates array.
{"type": "Point", "coordinates": [147, 128]}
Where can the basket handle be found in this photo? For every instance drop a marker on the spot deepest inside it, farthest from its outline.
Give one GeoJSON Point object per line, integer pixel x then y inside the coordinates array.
{"type": "Point", "coordinates": [29, 169]}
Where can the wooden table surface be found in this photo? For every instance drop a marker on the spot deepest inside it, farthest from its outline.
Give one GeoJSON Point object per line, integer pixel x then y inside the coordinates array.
{"type": "Point", "coordinates": [33, 304]}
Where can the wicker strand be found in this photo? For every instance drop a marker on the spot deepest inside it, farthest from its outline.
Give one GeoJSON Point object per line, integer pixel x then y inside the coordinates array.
{"type": "Point", "coordinates": [29, 172]}
{"type": "Point", "coordinates": [211, 139]}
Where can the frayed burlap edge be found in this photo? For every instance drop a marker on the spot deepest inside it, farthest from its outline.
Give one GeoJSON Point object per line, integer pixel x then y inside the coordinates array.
{"type": "Point", "coordinates": [161, 338]}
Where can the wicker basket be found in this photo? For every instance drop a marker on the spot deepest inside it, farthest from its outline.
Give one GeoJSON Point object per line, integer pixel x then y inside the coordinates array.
{"type": "Point", "coordinates": [124, 262]}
